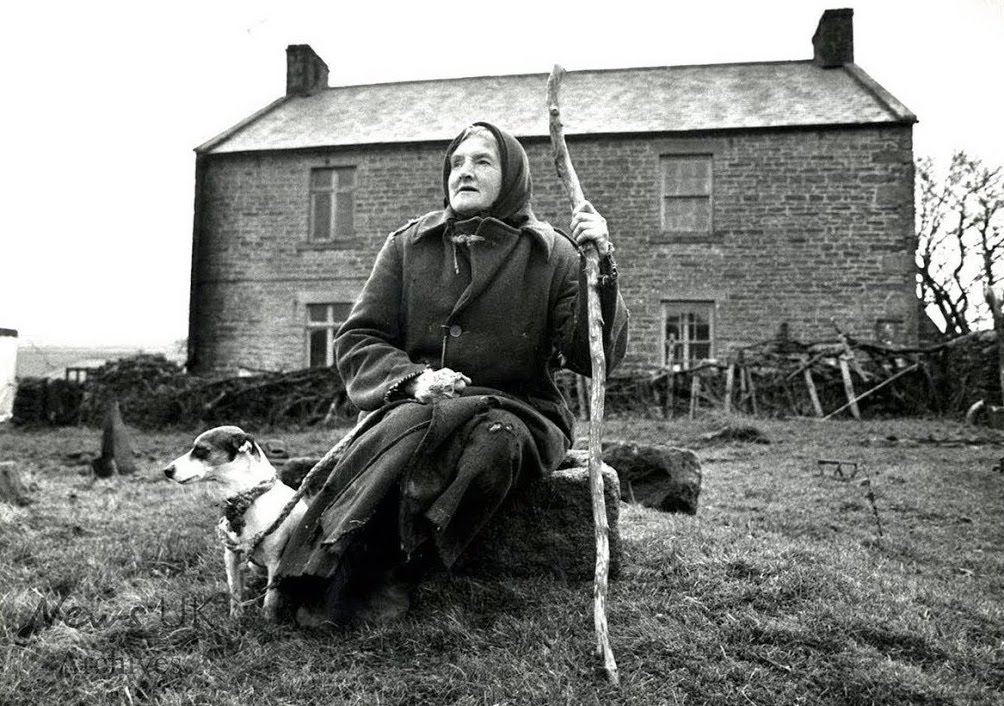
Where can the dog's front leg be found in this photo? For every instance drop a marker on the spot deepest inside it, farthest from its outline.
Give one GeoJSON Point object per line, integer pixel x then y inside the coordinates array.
{"type": "Point", "coordinates": [232, 562]}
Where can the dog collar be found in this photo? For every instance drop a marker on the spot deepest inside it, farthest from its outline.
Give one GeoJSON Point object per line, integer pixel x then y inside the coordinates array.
{"type": "Point", "coordinates": [235, 506]}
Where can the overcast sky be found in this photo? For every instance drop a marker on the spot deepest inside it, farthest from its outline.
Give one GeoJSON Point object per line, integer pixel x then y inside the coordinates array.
{"type": "Point", "coordinates": [105, 101]}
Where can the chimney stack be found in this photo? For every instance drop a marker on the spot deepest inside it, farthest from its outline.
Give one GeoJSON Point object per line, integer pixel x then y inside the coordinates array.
{"type": "Point", "coordinates": [306, 72]}
{"type": "Point", "coordinates": [833, 42]}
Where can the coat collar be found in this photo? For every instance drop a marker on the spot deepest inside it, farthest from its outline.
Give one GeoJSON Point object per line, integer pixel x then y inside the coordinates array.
{"type": "Point", "coordinates": [543, 234]}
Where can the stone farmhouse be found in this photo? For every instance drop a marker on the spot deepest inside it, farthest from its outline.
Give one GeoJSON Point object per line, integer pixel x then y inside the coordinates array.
{"type": "Point", "coordinates": [745, 200]}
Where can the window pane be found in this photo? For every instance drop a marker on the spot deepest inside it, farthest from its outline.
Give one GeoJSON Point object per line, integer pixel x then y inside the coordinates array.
{"type": "Point", "coordinates": [687, 214]}
{"type": "Point", "coordinates": [346, 177]}
{"type": "Point", "coordinates": [703, 214]}
{"type": "Point", "coordinates": [687, 175]}
{"type": "Point", "coordinates": [344, 201]}
{"type": "Point", "coordinates": [320, 221]}
{"type": "Point", "coordinates": [341, 311]}
{"type": "Point", "coordinates": [671, 178]}
{"type": "Point", "coordinates": [695, 185]}
{"type": "Point", "coordinates": [317, 313]}
{"type": "Point", "coordinates": [319, 347]}
{"type": "Point", "coordinates": [691, 324]}
{"type": "Point", "coordinates": [320, 178]}
{"type": "Point", "coordinates": [673, 185]}
{"type": "Point", "coordinates": [689, 332]}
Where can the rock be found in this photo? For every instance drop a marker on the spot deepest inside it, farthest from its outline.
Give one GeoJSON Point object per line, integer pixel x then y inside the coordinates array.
{"type": "Point", "coordinates": [660, 477]}
{"type": "Point", "coordinates": [275, 451]}
{"type": "Point", "coordinates": [104, 466]}
{"type": "Point", "coordinates": [117, 455]}
{"type": "Point", "coordinates": [739, 432]}
{"type": "Point", "coordinates": [13, 489]}
{"type": "Point", "coordinates": [548, 528]}
{"type": "Point", "coordinates": [293, 470]}
{"type": "Point", "coordinates": [79, 458]}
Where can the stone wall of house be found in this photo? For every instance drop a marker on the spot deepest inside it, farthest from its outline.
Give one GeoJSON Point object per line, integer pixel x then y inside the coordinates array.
{"type": "Point", "coordinates": [809, 226]}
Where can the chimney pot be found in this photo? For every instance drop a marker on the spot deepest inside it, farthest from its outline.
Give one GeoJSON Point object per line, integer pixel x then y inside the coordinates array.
{"type": "Point", "coordinates": [306, 72]}
{"type": "Point", "coordinates": [833, 42]}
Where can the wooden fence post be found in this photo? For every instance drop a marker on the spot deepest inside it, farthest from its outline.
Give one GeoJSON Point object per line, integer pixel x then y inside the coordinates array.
{"type": "Point", "coordinates": [813, 395]}
{"type": "Point", "coordinates": [998, 316]}
{"type": "Point", "coordinates": [695, 388]}
{"type": "Point", "coordinates": [752, 388]}
{"type": "Point", "coordinates": [670, 400]}
{"type": "Point", "coordinates": [730, 381]}
{"type": "Point", "coordinates": [845, 372]}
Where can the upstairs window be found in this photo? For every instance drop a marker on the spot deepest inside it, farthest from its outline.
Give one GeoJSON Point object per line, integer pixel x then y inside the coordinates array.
{"type": "Point", "coordinates": [686, 194]}
{"type": "Point", "coordinates": [332, 202]}
{"type": "Point", "coordinates": [689, 333]}
{"type": "Point", "coordinates": [323, 321]}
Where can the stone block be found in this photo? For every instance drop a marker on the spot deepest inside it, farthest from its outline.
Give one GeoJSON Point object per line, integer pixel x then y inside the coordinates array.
{"type": "Point", "coordinates": [547, 528]}
{"type": "Point", "coordinates": [660, 477]}
{"type": "Point", "coordinates": [293, 470]}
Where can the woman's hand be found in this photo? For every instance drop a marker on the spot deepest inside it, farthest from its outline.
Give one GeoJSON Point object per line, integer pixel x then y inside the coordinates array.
{"type": "Point", "coordinates": [437, 385]}
{"type": "Point", "coordinates": [589, 226]}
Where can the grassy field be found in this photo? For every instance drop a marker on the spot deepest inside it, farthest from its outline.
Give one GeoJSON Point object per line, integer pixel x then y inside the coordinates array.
{"type": "Point", "coordinates": [780, 591]}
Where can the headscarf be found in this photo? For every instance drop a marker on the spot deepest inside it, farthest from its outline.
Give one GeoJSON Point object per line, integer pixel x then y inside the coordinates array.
{"type": "Point", "coordinates": [513, 203]}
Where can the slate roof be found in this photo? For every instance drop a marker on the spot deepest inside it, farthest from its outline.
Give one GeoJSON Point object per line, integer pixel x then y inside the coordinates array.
{"type": "Point", "coordinates": [610, 101]}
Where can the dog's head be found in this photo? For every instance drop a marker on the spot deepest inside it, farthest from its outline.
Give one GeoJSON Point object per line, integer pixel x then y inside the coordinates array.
{"type": "Point", "coordinates": [225, 454]}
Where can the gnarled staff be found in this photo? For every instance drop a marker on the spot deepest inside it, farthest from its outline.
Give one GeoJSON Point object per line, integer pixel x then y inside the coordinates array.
{"type": "Point", "coordinates": [566, 173]}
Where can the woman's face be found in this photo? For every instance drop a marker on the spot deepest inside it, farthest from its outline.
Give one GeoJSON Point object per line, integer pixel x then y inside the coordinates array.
{"type": "Point", "coordinates": [475, 174]}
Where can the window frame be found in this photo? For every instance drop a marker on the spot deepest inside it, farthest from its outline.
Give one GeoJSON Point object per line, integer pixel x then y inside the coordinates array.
{"type": "Point", "coordinates": [332, 190]}
{"type": "Point", "coordinates": [719, 148]}
{"type": "Point", "coordinates": [691, 193]}
{"type": "Point", "coordinates": [681, 307]}
{"type": "Point", "coordinates": [331, 323]}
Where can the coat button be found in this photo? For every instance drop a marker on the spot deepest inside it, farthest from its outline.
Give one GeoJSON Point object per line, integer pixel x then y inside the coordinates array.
{"type": "Point", "coordinates": [455, 331]}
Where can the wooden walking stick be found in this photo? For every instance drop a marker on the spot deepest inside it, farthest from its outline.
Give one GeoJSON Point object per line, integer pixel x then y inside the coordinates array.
{"type": "Point", "coordinates": [566, 172]}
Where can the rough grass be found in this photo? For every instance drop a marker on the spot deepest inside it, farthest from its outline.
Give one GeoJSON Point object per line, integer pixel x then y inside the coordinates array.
{"type": "Point", "coordinates": [779, 591]}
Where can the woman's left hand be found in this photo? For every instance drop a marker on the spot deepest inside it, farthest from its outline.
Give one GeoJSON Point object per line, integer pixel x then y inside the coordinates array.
{"type": "Point", "coordinates": [589, 226]}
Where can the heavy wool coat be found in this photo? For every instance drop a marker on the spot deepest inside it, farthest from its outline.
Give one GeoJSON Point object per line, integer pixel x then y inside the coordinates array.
{"type": "Point", "coordinates": [518, 316]}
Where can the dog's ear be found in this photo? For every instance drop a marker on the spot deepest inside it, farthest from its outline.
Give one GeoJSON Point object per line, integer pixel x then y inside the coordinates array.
{"type": "Point", "coordinates": [243, 443]}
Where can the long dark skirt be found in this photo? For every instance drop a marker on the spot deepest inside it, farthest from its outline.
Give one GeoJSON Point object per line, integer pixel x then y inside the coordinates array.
{"type": "Point", "coordinates": [421, 480]}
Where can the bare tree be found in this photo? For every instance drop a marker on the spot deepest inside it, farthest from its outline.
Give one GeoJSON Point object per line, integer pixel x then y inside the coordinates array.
{"type": "Point", "coordinates": [960, 232]}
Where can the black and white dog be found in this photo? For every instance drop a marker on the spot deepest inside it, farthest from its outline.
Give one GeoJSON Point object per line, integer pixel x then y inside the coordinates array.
{"type": "Point", "coordinates": [255, 496]}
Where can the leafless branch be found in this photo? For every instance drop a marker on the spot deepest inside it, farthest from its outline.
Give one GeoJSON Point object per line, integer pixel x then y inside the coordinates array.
{"type": "Point", "coordinates": [960, 239]}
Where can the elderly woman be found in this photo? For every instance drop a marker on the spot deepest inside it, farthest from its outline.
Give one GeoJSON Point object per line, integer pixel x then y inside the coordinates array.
{"type": "Point", "coordinates": [452, 349]}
